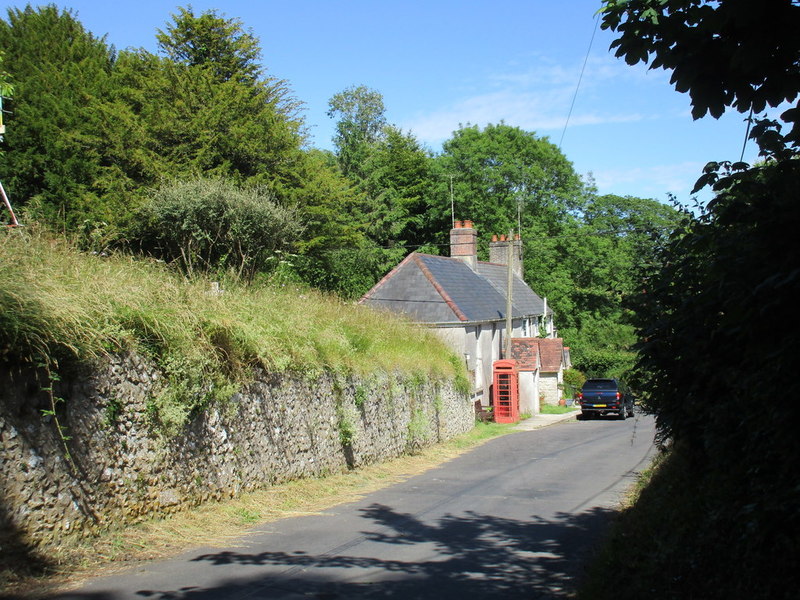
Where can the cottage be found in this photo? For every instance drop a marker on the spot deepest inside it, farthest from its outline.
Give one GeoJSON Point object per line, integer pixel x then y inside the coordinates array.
{"type": "Point", "coordinates": [554, 357]}
{"type": "Point", "coordinates": [464, 301]}
{"type": "Point", "coordinates": [540, 363]}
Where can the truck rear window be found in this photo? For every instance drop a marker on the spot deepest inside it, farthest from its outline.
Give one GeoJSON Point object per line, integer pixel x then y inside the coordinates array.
{"type": "Point", "coordinates": [600, 385]}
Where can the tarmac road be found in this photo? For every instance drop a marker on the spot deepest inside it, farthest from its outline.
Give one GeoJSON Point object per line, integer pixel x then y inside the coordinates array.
{"type": "Point", "coordinates": [514, 518]}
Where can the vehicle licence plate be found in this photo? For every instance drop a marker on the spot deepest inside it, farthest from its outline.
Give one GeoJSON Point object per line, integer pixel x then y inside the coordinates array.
{"type": "Point", "coordinates": [599, 405]}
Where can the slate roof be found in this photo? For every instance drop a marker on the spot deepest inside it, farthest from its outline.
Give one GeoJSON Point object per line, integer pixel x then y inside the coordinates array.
{"type": "Point", "coordinates": [525, 299]}
{"type": "Point", "coordinates": [438, 289]}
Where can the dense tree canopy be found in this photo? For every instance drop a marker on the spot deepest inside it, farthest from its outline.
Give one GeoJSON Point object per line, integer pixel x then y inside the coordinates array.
{"type": "Point", "coordinates": [360, 124]}
{"type": "Point", "coordinates": [750, 216]}
{"type": "Point", "coordinates": [58, 70]}
{"type": "Point", "coordinates": [392, 175]}
{"type": "Point", "coordinates": [211, 41]}
{"type": "Point", "coordinates": [504, 176]}
{"type": "Point", "coordinates": [91, 158]}
{"type": "Point", "coordinates": [91, 131]}
{"type": "Point", "coordinates": [397, 186]}
{"type": "Point", "coordinates": [718, 321]}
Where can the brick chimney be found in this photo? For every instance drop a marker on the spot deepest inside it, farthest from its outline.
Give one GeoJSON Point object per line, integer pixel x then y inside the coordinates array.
{"type": "Point", "coordinates": [498, 252]}
{"type": "Point", "coordinates": [464, 243]}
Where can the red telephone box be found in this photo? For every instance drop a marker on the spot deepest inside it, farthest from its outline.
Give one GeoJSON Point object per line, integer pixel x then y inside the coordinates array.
{"type": "Point", "coordinates": [505, 394]}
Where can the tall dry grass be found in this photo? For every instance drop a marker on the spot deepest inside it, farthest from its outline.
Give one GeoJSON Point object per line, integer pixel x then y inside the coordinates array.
{"type": "Point", "coordinates": [58, 305]}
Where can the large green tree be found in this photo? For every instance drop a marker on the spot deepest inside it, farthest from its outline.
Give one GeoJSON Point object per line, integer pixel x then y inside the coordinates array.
{"type": "Point", "coordinates": [388, 167]}
{"type": "Point", "coordinates": [397, 188]}
{"type": "Point", "coordinates": [332, 254]}
{"type": "Point", "coordinates": [59, 71]}
{"type": "Point", "coordinates": [390, 173]}
{"type": "Point", "coordinates": [360, 120]}
{"type": "Point", "coordinates": [210, 108]}
{"type": "Point", "coordinates": [197, 125]}
{"type": "Point", "coordinates": [504, 176]}
{"type": "Point", "coordinates": [598, 271]}
{"type": "Point", "coordinates": [210, 40]}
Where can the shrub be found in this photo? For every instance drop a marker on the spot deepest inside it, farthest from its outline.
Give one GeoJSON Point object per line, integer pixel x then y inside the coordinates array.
{"type": "Point", "coordinates": [573, 382]}
{"type": "Point", "coordinates": [212, 225]}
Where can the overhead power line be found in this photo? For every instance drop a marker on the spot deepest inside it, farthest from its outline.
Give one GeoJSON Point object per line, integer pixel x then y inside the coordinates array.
{"type": "Point", "coordinates": [580, 78]}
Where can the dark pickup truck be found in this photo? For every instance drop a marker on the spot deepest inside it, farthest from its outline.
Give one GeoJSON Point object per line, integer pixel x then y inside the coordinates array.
{"type": "Point", "coordinates": [605, 397]}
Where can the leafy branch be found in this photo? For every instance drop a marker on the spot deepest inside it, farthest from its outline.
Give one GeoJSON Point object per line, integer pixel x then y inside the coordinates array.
{"type": "Point", "coordinates": [52, 378]}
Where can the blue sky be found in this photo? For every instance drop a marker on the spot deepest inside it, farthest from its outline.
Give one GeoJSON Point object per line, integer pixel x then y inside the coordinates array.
{"type": "Point", "coordinates": [441, 63]}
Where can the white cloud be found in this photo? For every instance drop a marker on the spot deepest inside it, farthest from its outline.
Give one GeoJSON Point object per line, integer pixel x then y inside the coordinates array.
{"type": "Point", "coordinates": [535, 99]}
{"type": "Point", "coordinates": [655, 181]}
{"type": "Point", "coordinates": [538, 98]}
{"type": "Point", "coordinates": [531, 111]}
{"type": "Point", "coordinates": [599, 69]}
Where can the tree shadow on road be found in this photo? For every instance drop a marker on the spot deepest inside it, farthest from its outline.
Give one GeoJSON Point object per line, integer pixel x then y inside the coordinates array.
{"type": "Point", "coordinates": [471, 556]}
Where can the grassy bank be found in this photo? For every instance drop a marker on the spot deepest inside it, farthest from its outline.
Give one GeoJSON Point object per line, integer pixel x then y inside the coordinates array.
{"type": "Point", "coordinates": [62, 307]}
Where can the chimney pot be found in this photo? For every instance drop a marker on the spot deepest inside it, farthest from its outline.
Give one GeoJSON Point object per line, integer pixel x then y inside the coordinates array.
{"type": "Point", "coordinates": [503, 237]}
{"type": "Point", "coordinates": [468, 224]}
{"type": "Point", "coordinates": [457, 225]}
{"type": "Point", "coordinates": [494, 237]}
{"type": "Point", "coordinates": [516, 236]}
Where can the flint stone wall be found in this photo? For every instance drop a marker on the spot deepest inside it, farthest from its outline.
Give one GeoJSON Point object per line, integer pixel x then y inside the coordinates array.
{"type": "Point", "coordinates": [279, 428]}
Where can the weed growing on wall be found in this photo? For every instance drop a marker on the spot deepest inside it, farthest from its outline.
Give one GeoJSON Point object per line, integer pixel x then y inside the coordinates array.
{"type": "Point", "coordinates": [360, 396]}
{"type": "Point", "coordinates": [462, 384]}
{"type": "Point", "coordinates": [395, 389]}
{"type": "Point", "coordinates": [52, 412]}
{"type": "Point", "coordinates": [416, 383]}
{"type": "Point", "coordinates": [417, 430]}
{"type": "Point", "coordinates": [193, 384]}
{"type": "Point", "coordinates": [438, 403]}
{"type": "Point", "coordinates": [347, 430]}
{"type": "Point", "coordinates": [112, 412]}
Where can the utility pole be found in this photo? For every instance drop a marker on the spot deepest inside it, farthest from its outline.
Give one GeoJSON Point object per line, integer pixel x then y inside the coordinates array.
{"type": "Point", "coordinates": [509, 289]}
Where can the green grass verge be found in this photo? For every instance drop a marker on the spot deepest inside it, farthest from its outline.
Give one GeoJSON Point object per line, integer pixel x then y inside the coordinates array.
{"type": "Point", "coordinates": [555, 409]}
